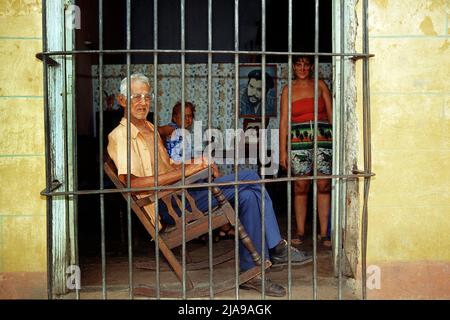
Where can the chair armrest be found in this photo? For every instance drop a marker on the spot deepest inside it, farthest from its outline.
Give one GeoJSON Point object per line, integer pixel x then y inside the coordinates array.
{"type": "Point", "coordinates": [202, 174]}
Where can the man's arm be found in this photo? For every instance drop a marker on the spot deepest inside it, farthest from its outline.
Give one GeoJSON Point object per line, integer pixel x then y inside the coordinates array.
{"type": "Point", "coordinates": [165, 131]}
{"type": "Point", "coordinates": [164, 179]}
{"type": "Point", "coordinates": [283, 127]}
{"type": "Point", "coordinates": [328, 101]}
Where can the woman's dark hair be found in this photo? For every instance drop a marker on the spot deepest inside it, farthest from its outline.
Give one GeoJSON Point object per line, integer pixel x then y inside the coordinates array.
{"type": "Point", "coordinates": [310, 59]}
{"type": "Point", "coordinates": [177, 108]}
{"type": "Point", "coordinates": [296, 59]}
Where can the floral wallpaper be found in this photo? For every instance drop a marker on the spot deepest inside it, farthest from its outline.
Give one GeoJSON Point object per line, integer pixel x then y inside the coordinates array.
{"type": "Point", "coordinates": [168, 91]}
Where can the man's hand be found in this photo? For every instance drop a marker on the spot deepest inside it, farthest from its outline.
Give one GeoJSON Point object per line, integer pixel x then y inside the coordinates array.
{"type": "Point", "coordinates": [215, 170]}
{"type": "Point", "coordinates": [190, 169]}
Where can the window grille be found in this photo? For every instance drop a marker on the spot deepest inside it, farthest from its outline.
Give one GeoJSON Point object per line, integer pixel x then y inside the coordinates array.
{"type": "Point", "coordinates": [63, 192]}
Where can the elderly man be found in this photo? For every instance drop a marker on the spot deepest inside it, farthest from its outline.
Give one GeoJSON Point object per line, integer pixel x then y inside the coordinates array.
{"type": "Point", "coordinates": [142, 156]}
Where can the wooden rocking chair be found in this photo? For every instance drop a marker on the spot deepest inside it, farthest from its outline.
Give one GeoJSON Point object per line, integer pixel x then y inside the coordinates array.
{"type": "Point", "coordinates": [196, 226]}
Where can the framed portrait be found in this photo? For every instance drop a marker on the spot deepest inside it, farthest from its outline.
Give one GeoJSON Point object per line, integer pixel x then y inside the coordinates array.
{"type": "Point", "coordinates": [251, 90]}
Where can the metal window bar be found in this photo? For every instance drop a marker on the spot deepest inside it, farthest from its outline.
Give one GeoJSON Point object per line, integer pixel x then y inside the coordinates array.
{"type": "Point", "coordinates": [367, 146]}
{"type": "Point", "coordinates": [263, 144]}
{"type": "Point", "coordinates": [48, 175]}
{"type": "Point", "coordinates": [357, 174]}
{"type": "Point", "coordinates": [183, 147]}
{"type": "Point", "coordinates": [101, 147]}
{"type": "Point", "coordinates": [353, 55]}
{"type": "Point", "coordinates": [75, 177]}
{"type": "Point", "coordinates": [130, 238]}
{"type": "Point", "coordinates": [236, 147]}
{"type": "Point", "coordinates": [64, 123]}
{"type": "Point", "coordinates": [210, 235]}
{"type": "Point", "coordinates": [155, 161]}
{"type": "Point", "coordinates": [289, 173]}
{"type": "Point", "coordinates": [316, 107]}
{"type": "Point", "coordinates": [341, 149]}
{"type": "Point", "coordinates": [341, 177]}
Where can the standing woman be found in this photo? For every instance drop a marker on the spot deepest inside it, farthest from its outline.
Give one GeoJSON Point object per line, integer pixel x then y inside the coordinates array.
{"type": "Point", "coordinates": [302, 144]}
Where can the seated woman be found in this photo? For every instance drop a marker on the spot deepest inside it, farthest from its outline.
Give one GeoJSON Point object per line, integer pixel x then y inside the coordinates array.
{"type": "Point", "coordinates": [172, 132]}
{"type": "Point", "coordinates": [172, 135]}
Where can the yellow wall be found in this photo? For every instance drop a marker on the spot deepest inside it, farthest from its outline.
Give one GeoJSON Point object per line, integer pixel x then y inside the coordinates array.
{"type": "Point", "coordinates": [22, 160]}
{"type": "Point", "coordinates": [409, 205]}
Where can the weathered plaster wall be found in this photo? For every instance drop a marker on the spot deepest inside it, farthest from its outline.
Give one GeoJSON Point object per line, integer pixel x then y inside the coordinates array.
{"type": "Point", "coordinates": [409, 205]}
{"type": "Point", "coordinates": [351, 145]}
{"type": "Point", "coordinates": [22, 167]}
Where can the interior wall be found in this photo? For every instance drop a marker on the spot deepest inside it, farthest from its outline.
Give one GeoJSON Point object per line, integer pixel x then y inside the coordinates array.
{"type": "Point", "coordinates": [196, 28]}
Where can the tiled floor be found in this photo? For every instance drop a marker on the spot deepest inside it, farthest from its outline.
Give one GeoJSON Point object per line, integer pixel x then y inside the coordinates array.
{"type": "Point", "coordinates": [117, 273]}
{"type": "Point", "coordinates": [117, 276]}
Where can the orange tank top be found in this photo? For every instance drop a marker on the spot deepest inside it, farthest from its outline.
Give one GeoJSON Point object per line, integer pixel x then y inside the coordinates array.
{"type": "Point", "coordinates": [303, 110]}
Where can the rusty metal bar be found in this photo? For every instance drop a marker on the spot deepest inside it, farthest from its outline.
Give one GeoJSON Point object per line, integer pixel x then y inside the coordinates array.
{"type": "Point", "coordinates": [183, 146]}
{"type": "Point", "coordinates": [130, 239]}
{"type": "Point", "coordinates": [100, 148]}
{"type": "Point", "coordinates": [155, 145]}
{"type": "Point", "coordinates": [289, 142]}
{"type": "Point", "coordinates": [341, 147]}
{"type": "Point", "coordinates": [236, 148]}
{"type": "Point", "coordinates": [262, 138]}
{"type": "Point", "coordinates": [75, 174]}
{"type": "Point", "coordinates": [316, 106]}
{"type": "Point", "coordinates": [64, 122]}
{"type": "Point", "coordinates": [65, 129]}
{"type": "Point", "coordinates": [231, 52]}
{"type": "Point", "coordinates": [48, 169]}
{"type": "Point", "coordinates": [210, 104]}
{"type": "Point", "coordinates": [214, 184]}
{"type": "Point", "coordinates": [367, 147]}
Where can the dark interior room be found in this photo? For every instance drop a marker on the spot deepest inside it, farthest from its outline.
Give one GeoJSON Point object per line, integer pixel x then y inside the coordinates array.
{"type": "Point", "coordinates": [114, 37]}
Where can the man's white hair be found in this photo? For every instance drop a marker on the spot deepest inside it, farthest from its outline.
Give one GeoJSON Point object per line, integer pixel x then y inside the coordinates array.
{"type": "Point", "coordinates": [134, 77]}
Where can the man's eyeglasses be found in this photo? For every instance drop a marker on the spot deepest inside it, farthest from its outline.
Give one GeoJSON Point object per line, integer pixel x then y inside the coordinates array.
{"type": "Point", "coordinates": [137, 97]}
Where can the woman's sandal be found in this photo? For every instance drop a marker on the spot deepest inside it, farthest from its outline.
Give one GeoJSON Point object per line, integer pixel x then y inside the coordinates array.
{"type": "Point", "coordinates": [298, 239]}
{"type": "Point", "coordinates": [205, 238]}
{"type": "Point", "coordinates": [226, 232]}
{"type": "Point", "coordinates": [324, 241]}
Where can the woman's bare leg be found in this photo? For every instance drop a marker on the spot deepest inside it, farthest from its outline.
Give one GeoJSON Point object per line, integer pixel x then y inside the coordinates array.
{"type": "Point", "coordinates": [301, 188]}
{"type": "Point", "coordinates": [323, 204]}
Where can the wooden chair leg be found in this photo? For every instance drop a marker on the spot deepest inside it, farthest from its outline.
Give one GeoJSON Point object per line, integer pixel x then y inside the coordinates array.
{"type": "Point", "coordinates": [175, 264]}
{"type": "Point", "coordinates": [242, 233]}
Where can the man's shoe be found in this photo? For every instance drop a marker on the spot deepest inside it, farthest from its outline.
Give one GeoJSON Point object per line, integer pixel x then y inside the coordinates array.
{"type": "Point", "coordinates": [271, 288]}
{"type": "Point", "coordinates": [279, 254]}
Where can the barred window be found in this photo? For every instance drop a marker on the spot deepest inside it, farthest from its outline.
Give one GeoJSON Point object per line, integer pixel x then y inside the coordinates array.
{"type": "Point", "coordinates": [205, 52]}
